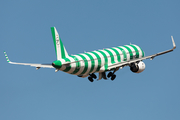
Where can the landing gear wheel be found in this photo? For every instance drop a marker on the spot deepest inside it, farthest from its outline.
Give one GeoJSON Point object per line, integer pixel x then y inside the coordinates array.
{"type": "Point", "coordinates": [110, 74]}
{"type": "Point", "coordinates": [90, 79]}
{"type": "Point", "coordinates": [113, 77]}
{"type": "Point", "coordinates": [93, 75]}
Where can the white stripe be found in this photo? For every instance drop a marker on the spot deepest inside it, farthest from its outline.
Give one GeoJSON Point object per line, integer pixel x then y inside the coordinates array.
{"type": "Point", "coordinates": [127, 52]}
{"type": "Point", "coordinates": [132, 49]}
{"type": "Point", "coordinates": [114, 55]}
{"type": "Point", "coordinates": [89, 64]}
{"type": "Point", "coordinates": [58, 50]}
{"type": "Point", "coordinates": [81, 65]}
{"type": "Point", "coordinates": [95, 62]}
{"type": "Point", "coordinates": [73, 65]}
{"type": "Point", "coordinates": [101, 57]}
{"type": "Point", "coordinates": [66, 54]}
{"type": "Point", "coordinates": [63, 67]}
{"type": "Point", "coordinates": [121, 54]}
{"type": "Point", "coordinates": [107, 55]}
{"type": "Point", "coordinates": [139, 50]}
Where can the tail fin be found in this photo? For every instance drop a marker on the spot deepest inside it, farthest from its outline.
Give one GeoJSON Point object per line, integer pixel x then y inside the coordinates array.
{"type": "Point", "coordinates": [59, 47]}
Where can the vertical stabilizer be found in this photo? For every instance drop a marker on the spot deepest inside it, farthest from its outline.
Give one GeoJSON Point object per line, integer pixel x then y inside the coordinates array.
{"type": "Point", "coordinates": [59, 47]}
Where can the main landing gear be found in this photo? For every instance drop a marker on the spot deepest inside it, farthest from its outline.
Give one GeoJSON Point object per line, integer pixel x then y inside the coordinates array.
{"type": "Point", "coordinates": [112, 75]}
{"type": "Point", "coordinates": [91, 77]}
{"type": "Point", "coordinates": [103, 75]}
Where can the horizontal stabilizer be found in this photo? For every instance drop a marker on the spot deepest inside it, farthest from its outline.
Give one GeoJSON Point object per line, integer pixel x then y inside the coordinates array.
{"type": "Point", "coordinates": [30, 64]}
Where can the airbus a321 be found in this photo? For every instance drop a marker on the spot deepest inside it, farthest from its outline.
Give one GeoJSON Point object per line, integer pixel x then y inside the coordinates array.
{"type": "Point", "coordinates": [100, 61]}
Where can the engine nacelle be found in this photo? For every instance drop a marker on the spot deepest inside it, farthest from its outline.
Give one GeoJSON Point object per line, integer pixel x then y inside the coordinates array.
{"type": "Point", "coordinates": [137, 67]}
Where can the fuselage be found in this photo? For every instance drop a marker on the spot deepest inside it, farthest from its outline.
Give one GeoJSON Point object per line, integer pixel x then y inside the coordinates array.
{"type": "Point", "coordinates": [97, 61]}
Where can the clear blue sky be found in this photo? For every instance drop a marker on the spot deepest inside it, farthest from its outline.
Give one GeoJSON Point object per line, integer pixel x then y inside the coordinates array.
{"type": "Point", "coordinates": [27, 94]}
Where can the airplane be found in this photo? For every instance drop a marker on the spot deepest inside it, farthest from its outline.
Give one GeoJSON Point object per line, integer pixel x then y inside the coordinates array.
{"type": "Point", "coordinates": [100, 61]}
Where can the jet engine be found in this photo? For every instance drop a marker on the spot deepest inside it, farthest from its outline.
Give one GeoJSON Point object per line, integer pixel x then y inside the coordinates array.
{"type": "Point", "coordinates": [137, 67]}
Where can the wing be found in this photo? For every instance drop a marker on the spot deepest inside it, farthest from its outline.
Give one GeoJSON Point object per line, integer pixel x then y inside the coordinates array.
{"type": "Point", "coordinates": [30, 64]}
{"type": "Point", "coordinates": [127, 63]}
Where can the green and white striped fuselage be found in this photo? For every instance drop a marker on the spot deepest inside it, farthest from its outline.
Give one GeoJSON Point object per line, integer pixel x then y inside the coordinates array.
{"type": "Point", "coordinates": [97, 61]}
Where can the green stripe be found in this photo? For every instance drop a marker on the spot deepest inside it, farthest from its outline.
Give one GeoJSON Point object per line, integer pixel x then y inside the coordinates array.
{"type": "Point", "coordinates": [117, 54]}
{"type": "Point", "coordinates": [130, 52]}
{"type": "Point", "coordinates": [54, 39]}
{"type": "Point", "coordinates": [141, 51]}
{"type": "Point", "coordinates": [85, 64]}
{"type": "Point", "coordinates": [111, 55]}
{"type": "Point", "coordinates": [92, 62]}
{"type": "Point", "coordinates": [77, 64]}
{"type": "Point", "coordinates": [105, 57]}
{"type": "Point", "coordinates": [124, 53]}
{"type": "Point", "coordinates": [67, 68]}
{"type": "Point", "coordinates": [6, 57]}
{"type": "Point", "coordinates": [61, 44]}
{"type": "Point", "coordinates": [136, 50]}
{"type": "Point", "coordinates": [99, 60]}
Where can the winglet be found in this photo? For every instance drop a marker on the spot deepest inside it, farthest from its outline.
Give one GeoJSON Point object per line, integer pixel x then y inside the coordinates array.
{"type": "Point", "coordinates": [6, 57]}
{"type": "Point", "coordinates": [174, 45]}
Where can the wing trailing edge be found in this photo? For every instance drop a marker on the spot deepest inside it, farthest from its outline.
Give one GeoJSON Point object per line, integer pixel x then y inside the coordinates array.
{"type": "Point", "coordinates": [30, 64]}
